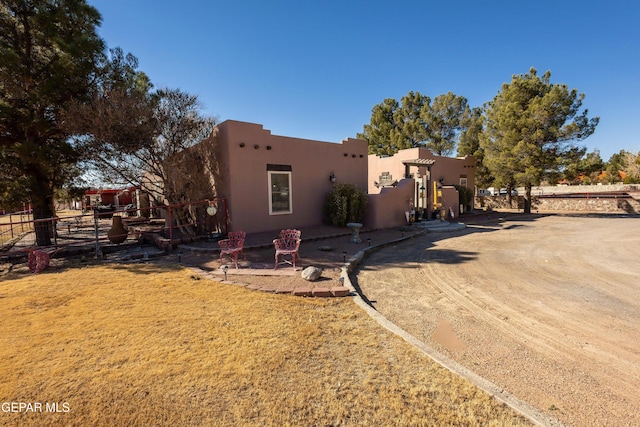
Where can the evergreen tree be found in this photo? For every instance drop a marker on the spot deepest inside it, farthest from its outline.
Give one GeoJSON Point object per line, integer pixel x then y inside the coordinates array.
{"type": "Point", "coordinates": [443, 119]}
{"type": "Point", "coordinates": [617, 163]}
{"type": "Point", "coordinates": [531, 129]}
{"type": "Point", "coordinates": [585, 170]}
{"type": "Point", "coordinates": [410, 129]}
{"type": "Point", "coordinates": [395, 126]}
{"type": "Point", "coordinates": [49, 50]}
{"type": "Point", "coordinates": [469, 145]}
{"type": "Point", "coordinates": [416, 122]}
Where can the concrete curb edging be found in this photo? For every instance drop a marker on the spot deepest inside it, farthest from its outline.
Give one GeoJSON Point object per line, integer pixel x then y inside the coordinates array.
{"type": "Point", "coordinates": [532, 413]}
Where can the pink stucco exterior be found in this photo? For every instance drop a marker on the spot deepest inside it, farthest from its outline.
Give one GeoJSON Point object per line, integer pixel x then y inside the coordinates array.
{"type": "Point", "coordinates": [249, 154]}
{"type": "Point", "coordinates": [387, 208]}
{"type": "Point", "coordinates": [273, 182]}
{"type": "Point", "coordinates": [445, 172]}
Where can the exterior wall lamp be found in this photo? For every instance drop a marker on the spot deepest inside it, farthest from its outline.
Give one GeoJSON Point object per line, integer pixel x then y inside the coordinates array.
{"type": "Point", "coordinates": [332, 178]}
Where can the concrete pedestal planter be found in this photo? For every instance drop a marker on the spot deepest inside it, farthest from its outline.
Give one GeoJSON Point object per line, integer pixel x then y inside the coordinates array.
{"type": "Point", "coordinates": [355, 232]}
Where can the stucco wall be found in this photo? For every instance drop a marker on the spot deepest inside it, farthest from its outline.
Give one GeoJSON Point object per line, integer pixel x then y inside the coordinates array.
{"type": "Point", "coordinates": [450, 202]}
{"type": "Point", "coordinates": [247, 150]}
{"type": "Point", "coordinates": [387, 208]}
{"type": "Point", "coordinates": [447, 170]}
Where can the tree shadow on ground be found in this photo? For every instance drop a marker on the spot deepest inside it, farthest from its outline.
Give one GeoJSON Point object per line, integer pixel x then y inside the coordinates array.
{"type": "Point", "coordinates": [407, 258]}
{"type": "Point", "coordinates": [413, 252]}
{"type": "Point", "coordinates": [447, 256]}
{"type": "Point", "coordinates": [512, 226]}
{"type": "Point", "coordinates": [61, 265]}
{"type": "Point", "coordinates": [493, 218]}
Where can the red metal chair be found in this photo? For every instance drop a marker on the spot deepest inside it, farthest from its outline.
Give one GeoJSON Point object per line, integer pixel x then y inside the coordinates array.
{"type": "Point", "coordinates": [287, 244]}
{"type": "Point", "coordinates": [39, 259]}
{"type": "Point", "coordinates": [233, 245]}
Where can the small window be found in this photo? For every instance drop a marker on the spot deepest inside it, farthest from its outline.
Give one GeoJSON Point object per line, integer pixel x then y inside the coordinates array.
{"type": "Point", "coordinates": [279, 193]}
{"type": "Point", "coordinates": [463, 181]}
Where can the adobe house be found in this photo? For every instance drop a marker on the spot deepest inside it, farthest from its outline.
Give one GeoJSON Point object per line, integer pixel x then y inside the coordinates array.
{"type": "Point", "coordinates": [275, 182]}
{"type": "Point", "coordinates": [415, 179]}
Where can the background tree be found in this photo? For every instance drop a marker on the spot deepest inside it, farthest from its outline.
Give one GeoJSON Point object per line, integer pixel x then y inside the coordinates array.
{"type": "Point", "coordinates": [570, 159]}
{"type": "Point", "coordinates": [183, 170]}
{"type": "Point", "coordinates": [395, 126]}
{"type": "Point", "coordinates": [130, 135]}
{"type": "Point", "coordinates": [632, 168]}
{"type": "Point", "coordinates": [585, 170]}
{"type": "Point", "coordinates": [469, 144]}
{"type": "Point", "coordinates": [415, 122]}
{"type": "Point", "coordinates": [531, 129]}
{"type": "Point", "coordinates": [66, 106]}
{"type": "Point", "coordinates": [444, 118]}
{"type": "Point", "coordinates": [617, 163]}
{"type": "Point", "coordinates": [115, 120]}
{"type": "Point", "coordinates": [410, 129]}
{"type": "Point", "coordinates": [181, 125]}
{"type": "Point", "coordinates": [48, 51]}
{"type": "Point", "coordinates": [378, 132]}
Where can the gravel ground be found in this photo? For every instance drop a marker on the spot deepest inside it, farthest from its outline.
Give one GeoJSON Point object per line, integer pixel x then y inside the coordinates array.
{"type": "Point", "coordinates": [545, 307]}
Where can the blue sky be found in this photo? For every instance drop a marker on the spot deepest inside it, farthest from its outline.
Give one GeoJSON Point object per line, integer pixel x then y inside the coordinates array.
{"type": "Point", "coordinates": [315, 69]}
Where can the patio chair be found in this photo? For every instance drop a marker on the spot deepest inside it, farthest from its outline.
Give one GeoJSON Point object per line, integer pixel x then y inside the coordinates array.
{"type": "Point", "coordinates": [232, 246]}
{"type": "Point", "coordinates": [287, 244]}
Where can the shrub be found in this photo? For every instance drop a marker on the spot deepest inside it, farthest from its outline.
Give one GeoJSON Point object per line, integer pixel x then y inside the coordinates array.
{"type": "Point", "coordinates": [466, 196]}
{"type": "Point", "coordinates": [630, 180]}
{"type": "Point", "coordinates": [345, 203]}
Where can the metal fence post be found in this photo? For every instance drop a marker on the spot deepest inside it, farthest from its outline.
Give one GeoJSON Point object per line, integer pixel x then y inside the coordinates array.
{"type": "Point", "coordinates": [170, 230]}
{"type": "Point", "coordinates": [95, 226]}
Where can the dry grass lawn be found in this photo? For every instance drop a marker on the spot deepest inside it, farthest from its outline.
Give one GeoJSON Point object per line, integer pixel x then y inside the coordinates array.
{"type": "Point", "coordinates": [152, 345]}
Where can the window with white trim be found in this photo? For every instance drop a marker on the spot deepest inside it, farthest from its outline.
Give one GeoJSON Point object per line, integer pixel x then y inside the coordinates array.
{"type": "Point", "coordinates": [279, 192]}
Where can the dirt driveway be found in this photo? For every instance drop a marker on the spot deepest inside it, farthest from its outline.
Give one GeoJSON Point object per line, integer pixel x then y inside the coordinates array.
{"type": "Point", "coordinates": [546, 307]}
